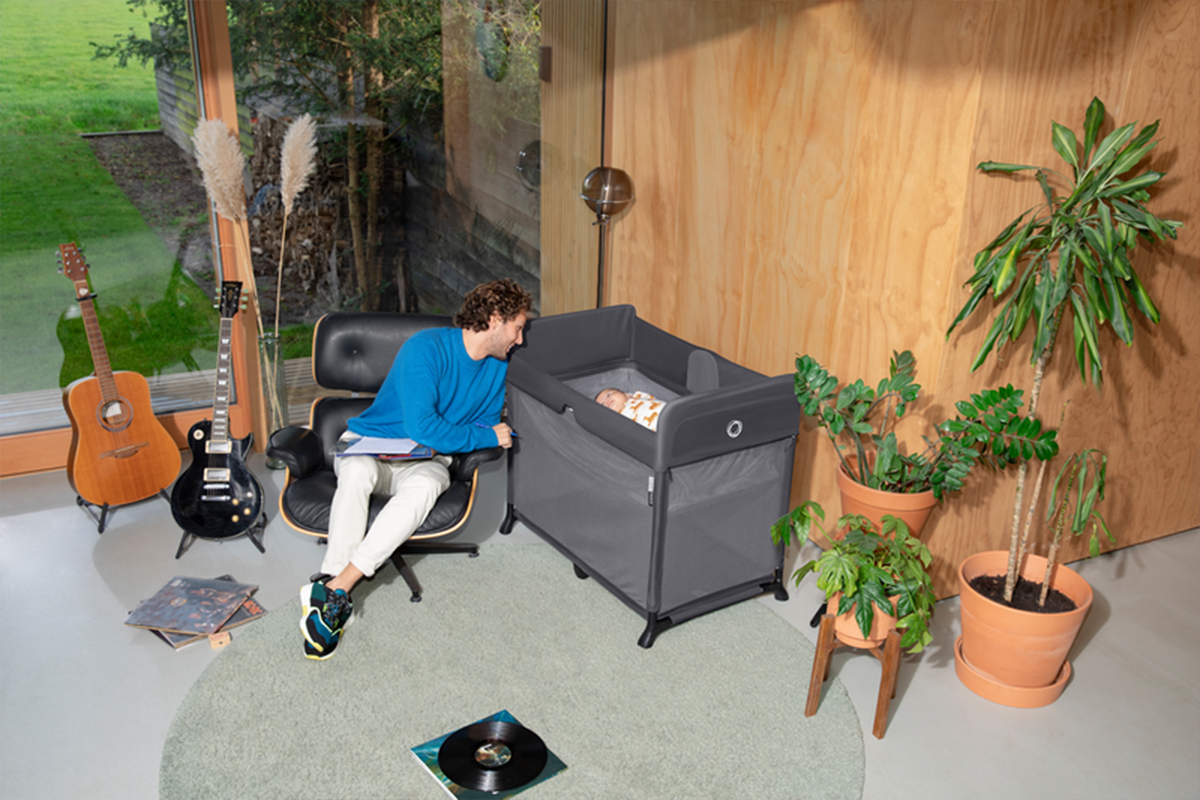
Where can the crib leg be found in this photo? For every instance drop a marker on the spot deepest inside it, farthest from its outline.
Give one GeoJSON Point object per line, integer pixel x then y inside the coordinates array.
{"type": "Point", "coordinates": [654, 626]}
{"type": "Point", "coordinates": [778, 588]}
{"type": "Point", "coordinates": [510, 517]}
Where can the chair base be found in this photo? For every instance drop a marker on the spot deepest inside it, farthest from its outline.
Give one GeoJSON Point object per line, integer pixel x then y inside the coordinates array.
{"type": "Point", "coordinates": [418, 548]}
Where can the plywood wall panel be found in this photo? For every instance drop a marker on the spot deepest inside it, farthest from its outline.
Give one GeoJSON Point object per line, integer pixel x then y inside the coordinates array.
{"type": "Point", "coordinates": [1138, 412]}
{"type": "Point", "coordinates": [806, 184]}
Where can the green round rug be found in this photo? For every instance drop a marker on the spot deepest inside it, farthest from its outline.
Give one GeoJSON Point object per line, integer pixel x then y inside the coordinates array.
{"type": "Point", "coordinates": [715, 709]}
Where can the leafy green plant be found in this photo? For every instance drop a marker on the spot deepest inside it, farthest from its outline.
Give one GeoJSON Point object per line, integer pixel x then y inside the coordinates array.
{"type": "Point", "coordinates": [868, 568]}
{"type": "Point", "coordinates": [988, 429]}
{"type": "Point", "coordinates": [1076, 506]}
{"type": "Point", "coordinates": [1072, 252]}
{"type": "Point", "coordinates": [1070, 255]}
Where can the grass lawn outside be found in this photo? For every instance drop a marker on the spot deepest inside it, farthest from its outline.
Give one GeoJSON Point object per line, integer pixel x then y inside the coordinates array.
{"type": "Point", "coordinates": [53, 191]}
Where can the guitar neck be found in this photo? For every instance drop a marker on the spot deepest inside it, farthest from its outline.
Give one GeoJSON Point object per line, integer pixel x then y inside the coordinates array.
{"type": "Point", "coordinates": [104, 373]}
{"type": "Point", "coordinates": [220, 420]}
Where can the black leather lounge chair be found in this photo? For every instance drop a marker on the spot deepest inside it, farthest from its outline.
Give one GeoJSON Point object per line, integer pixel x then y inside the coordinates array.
{"type": "Point", "coordinates": [352, 352]}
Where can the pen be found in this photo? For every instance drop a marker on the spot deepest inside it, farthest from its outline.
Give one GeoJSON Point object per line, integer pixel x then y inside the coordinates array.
{"type": "Point", "coordinates": [485, 425]}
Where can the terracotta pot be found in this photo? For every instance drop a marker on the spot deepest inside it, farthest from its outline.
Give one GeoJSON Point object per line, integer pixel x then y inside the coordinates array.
{"type": "Point", "coordinates": [1017, 658]}
{"type": "Point", "coordinates": [914, 509]}
{"type": "Point", "coordinates": [846, 629]}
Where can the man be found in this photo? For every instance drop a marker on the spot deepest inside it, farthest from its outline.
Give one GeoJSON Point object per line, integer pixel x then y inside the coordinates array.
{"type": "Point", "coordinates": [445, 390]}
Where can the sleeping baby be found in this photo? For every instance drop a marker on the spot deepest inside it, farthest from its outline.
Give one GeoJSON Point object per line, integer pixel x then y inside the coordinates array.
{"type": "Point", "coordinates": [641, 407]}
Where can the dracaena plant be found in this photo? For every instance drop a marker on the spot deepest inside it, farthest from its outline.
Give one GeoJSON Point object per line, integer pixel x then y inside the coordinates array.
{"type": "Point", "coordinates": [869, 568]}
{"type": "Point", "coordinates": [1070, 255]}
{"type": "Point", "coordinates": [1077, 489]}
{"type": "Point", "coordinates": [988, 429]}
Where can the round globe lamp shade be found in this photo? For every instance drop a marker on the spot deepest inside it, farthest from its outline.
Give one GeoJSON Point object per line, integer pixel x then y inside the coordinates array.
{"type": "Point", "coordinates": [607, 190]}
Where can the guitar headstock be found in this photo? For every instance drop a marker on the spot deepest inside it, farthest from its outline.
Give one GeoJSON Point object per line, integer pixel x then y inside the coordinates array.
{"type": "Point", "coordinates": [231, 293]}
{"type": "Point", "coordinates": [72, 264]}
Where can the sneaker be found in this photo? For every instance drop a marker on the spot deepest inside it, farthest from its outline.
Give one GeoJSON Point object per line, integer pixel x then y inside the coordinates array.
{"type": "Point", "coordinates": [320, 640]}
{"type": "Point", "coordinates": [313, 653]}
{"type": "Point", "coordinates": [313, 593]}
{"type": "Point", "coordinates": [325, 615]}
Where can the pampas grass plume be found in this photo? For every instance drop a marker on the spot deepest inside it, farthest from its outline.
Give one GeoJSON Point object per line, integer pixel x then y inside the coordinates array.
{"type": "Point", "coordinates": [299, 152]}
{"type": "Point", "coordinates": [221, 162]}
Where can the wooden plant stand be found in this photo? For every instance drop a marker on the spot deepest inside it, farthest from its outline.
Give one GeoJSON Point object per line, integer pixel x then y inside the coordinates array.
{"type": "Point", "coordinates": [888, 653]}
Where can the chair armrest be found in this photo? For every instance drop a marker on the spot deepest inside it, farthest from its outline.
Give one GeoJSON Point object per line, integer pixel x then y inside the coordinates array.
{"type": "Point", "coordinates": [463, 466]}
{"type": "Point", "coordinates": [299, 448]}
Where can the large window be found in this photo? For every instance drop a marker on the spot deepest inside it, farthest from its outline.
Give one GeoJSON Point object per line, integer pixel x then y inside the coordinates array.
{"type": "Point", "coordinates": [427, 176]}
{"type": "Point", "coordinates": [426, 180]}
{"type": "Point", "coordinates": [77, 168]}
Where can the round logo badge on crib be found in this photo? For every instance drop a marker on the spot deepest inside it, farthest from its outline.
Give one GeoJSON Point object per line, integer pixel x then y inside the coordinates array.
{"type": "Point", "coordinates": [734, 428]}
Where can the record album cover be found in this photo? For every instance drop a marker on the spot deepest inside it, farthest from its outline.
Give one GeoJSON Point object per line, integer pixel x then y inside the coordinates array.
{"type": "Point", "coordinates": [248, 610]}
{"type": "Point", "coordinates": [427, 755]}
{"type": "Point", "coordinates": [191, 605]}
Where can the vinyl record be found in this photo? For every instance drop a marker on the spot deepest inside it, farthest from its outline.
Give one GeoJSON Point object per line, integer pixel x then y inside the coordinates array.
{"type": "Point", "coordinates": [492, 756]}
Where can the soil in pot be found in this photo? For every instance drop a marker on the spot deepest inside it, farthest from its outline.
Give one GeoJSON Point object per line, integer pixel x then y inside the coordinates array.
{"type": "Point", "coordinates": [1025, 595]}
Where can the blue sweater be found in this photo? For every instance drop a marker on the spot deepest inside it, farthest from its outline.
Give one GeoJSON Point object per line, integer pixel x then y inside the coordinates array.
{"type": "Point", "coordinates": [438, 395]}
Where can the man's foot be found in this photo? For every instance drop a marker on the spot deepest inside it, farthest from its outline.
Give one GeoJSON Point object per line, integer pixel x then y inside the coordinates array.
{"type": "Point", "coordinates": [313, 591]}
{"type": "Point", "coordinates": [325, 615]}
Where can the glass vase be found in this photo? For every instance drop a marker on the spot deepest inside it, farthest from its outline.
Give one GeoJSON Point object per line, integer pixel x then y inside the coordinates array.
{"type": "Point", "coordinates": [274, 383]}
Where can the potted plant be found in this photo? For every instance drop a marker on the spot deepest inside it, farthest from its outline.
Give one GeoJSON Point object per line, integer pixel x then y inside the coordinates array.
{"type": "Point", "coordinates": [876, 475]}
{"type": "Point", "coordinates": [875, 579]}
{"type": "Point", "coordinates": [1068, 256]}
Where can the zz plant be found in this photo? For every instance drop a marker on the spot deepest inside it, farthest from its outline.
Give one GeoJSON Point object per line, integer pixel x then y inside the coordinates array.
{"type": "Point", "coordinates": [988, 429]}
{"type": "Point", "coordinates": [869, 568]}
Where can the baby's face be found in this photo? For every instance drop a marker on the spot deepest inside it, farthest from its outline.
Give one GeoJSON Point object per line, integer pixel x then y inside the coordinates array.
{"type": "Point", "coordinates": [612, 398]}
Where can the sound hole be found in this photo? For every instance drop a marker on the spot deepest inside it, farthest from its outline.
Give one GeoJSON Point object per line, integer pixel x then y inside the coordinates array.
{"type": "Point", "coordinates": [115, 415]}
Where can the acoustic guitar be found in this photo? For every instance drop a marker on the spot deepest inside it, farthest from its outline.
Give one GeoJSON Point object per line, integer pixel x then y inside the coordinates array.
{"type": "Point", "coordinates": [218, 497]}
{"type": "Point", "coordinates": [120, 453]}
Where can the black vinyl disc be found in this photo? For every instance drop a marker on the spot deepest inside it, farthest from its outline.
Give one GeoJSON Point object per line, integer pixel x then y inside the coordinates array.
{"type": "Point", "coordinates": [492, 756]}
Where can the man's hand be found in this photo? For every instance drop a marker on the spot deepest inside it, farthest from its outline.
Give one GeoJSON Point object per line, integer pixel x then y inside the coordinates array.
{"type": "Point", "coordinates": [503, 434]}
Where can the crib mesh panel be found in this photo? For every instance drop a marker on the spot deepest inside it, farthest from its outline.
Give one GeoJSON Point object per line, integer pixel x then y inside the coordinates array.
{"type": "Point", "coordinates": [568, 483]}
{"type": "Point", "coordinates": [718, 528]}
{"type": "Point", "coordinates": [593, 498]}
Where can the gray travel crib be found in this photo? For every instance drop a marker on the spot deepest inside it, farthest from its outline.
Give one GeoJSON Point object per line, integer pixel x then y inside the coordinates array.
{"type": "Point", "coordinates": [676, 523]}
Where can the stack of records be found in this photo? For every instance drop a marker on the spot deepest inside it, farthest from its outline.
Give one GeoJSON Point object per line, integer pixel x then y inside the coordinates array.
{"type": "Point", "coordinates": [186, 610]}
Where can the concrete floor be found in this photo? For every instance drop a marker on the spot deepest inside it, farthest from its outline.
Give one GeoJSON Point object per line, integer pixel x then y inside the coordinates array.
{"type": "Point", "coordinates": [85, 702]}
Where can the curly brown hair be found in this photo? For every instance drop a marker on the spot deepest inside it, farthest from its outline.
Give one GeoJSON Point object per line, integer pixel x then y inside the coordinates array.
{"type": "Point", "coordinates": [503, 297]}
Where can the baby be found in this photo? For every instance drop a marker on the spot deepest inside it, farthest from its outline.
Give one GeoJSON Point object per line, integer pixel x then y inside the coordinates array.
{"type": "Point", "coordinates": [641, 407]}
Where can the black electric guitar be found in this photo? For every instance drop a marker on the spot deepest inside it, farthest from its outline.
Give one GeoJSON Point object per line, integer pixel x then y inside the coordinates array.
{"type": "Point", "coordinates": [218, 497]}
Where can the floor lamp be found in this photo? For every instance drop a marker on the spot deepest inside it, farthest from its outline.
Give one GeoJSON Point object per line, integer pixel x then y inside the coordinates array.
{"type": "Point", "coordinates": [607, 191]}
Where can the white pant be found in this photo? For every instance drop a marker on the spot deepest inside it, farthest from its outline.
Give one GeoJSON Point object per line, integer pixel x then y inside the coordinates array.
{"type": "Point", "coordinates": [414, 487]}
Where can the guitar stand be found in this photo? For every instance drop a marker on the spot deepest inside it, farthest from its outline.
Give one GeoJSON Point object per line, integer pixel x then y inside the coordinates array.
{"type": "Point", "coordinates": [888, 653]}
{"type": "Point", "coordinates": [254, 533]}
{"type": "Point", "coordinates": [99, 514]}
